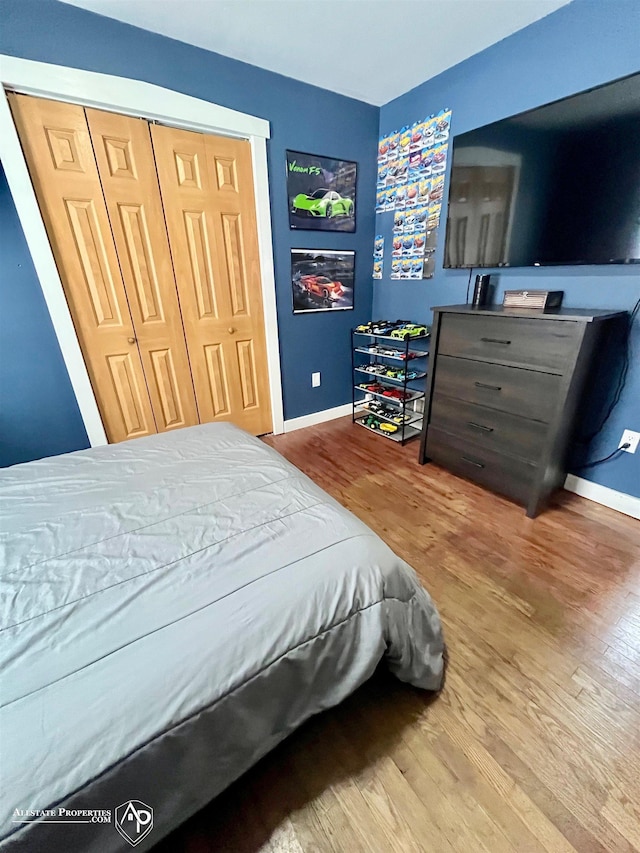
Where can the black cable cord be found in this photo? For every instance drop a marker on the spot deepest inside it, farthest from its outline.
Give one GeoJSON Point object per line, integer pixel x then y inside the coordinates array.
{"type": "Point", "coordinates": [622, 378]}
{"type": "Point", "coordinates": [469, 284]}
{"type": "Point", "coordinates": [616, 452]}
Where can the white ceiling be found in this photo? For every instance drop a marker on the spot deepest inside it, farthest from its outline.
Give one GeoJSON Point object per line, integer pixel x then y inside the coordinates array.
{"type": "Point", "coordinates": [373, 50]}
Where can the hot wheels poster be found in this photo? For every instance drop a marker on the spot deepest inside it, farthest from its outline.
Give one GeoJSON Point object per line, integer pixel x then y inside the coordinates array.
{"type": "Point", "coordinates": [412, 165]}
{"type": "Point", "coordinates": [437, 188]}
{"type": "Point", "coordinates": [412, 195]}
{"type": "Point", "coordinates": [390, 198]}
{"type": "Point", "coordinates": [429, 132]}
{"type": "Point", "coordinates": [417, 265]}
{"type": "Point", "coordinates": [378, 256]}
{"type": "Point", "coordinates": [420, 215]}
{"type": "Point", "coordinates": [433, 219]}
{"type": "Point", "coordinates": [442, 126]}
{"type": "Point", "coordinates": [439, 159]}
{"type": "Point", "coordinates": [383, 149]}
{"type": "Point", "coordinates": [321, 192]}
{"type": "Point", "coordinates": [394, 139]}
{"type": "Point", "coordinates": [417, 133]}
{"type": "Point", "coordinates": [424, 189]}
{"type": "Point", "coordinates": [404, 141]}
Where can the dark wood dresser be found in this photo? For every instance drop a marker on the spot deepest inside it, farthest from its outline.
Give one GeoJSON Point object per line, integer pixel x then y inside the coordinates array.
{"type": "Point", "coordinates": [502, 393]}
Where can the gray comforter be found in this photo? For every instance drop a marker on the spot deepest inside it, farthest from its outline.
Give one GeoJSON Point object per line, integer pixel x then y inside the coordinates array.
{"type": "Point", "coordinates": [172, 608]}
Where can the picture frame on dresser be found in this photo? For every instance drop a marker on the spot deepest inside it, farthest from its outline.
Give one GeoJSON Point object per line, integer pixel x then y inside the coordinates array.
{"type": "Point", "coordinates": [502, 394]}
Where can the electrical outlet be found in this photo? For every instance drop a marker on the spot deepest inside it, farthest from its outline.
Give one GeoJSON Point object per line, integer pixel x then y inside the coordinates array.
{"type": "Point", "coordinates": [631, 438]}
{"type": "Point", "coordinates": [315, 380]}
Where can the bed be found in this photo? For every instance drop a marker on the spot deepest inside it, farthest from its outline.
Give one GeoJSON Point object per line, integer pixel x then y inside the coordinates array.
{"type": "Point", "coordinates": [172, 608]}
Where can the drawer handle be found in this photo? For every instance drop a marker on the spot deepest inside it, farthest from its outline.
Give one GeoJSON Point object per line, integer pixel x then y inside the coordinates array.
{"type": "Point", "coordinates": [479, 426]}
{"type": "Point", "coordinates": [490, 387]}
{"type": "Point", "coordinates": [473, 462]}
{"type": "Point", "coordinates": [495, 341]}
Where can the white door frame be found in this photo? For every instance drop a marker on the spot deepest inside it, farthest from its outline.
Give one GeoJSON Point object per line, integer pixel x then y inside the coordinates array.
{"type": "Point", "coordinates": [145, 100]}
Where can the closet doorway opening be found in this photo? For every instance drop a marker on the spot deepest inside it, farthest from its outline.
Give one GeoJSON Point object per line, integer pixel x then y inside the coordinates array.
{"type": "Point", "coordinates": [160, 230]}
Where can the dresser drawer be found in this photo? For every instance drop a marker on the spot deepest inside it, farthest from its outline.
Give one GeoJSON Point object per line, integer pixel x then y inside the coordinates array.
{"type": "Point", "coordinates": [527, 393]}
{"type": "Point", "coordinates": [504, 474]}
{"type": "Point", "coordinates": [546, 344]}
{"type": "Point", "coordinates": [499, 431]}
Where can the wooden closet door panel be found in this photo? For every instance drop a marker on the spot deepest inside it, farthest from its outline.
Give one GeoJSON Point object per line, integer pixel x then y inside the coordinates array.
{"type": "Point", "coordinates": [124, 155]}
{"type": "Point", "coordinates": [207, 190]}
{"type": "Point", "coordinates": [58, 150]}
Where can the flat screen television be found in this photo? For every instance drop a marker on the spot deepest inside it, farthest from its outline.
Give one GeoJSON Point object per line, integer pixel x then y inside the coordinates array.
{"type": "Point", "coordinates": [555, 185]}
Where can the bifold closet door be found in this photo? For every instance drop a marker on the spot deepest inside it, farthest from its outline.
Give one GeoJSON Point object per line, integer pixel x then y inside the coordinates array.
{"type": "Point", "coordinates": [122, 147]}
{"type": "Point", "coordinates": [207, 191]}
{"type": "Point", "coordinates": [57, 146]}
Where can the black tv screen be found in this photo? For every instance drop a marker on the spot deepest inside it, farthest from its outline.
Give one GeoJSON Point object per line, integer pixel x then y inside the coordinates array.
{"type": "Point", "coordinates": [555, 185]}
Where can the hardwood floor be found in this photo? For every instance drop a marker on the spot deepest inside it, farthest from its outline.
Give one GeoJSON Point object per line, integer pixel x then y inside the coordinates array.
{"type": "Point", "coordinates": [534, 743]}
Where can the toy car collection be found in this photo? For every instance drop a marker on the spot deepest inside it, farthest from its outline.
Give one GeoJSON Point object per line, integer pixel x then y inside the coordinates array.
{"type": "Point", "coordinates": [395, 373]}
{"type": "Point", "coordinates": [374, 349]}
{"type": "Point", "coordinates": [389, 412]}
{"type": "Point", "coordinates": [393, 328]}
{"type": "Point", "coordinates": [390, 408]}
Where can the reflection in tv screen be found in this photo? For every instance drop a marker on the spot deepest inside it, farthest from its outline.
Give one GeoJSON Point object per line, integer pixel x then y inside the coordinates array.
{"type": "Point", "coordinates": [555, 185]}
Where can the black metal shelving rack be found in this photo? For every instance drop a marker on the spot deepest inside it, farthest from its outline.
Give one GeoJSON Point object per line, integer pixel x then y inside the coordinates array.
{"type": "Point", "coordinates": [410, 353]}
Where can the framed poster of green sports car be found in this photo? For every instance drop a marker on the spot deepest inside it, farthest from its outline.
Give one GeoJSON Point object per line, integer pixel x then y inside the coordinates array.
{"type": "Point", "coordinates": [322, 280]}
{"type": "Point", "coordinates": [321, 192]}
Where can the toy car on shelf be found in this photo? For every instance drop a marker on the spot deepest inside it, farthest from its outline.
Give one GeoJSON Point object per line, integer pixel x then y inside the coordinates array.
{"type": "Point", "coordinates": [401, 329]}
{"type": "Point", "coordinates": [395, 373]}
{"type": "Point", "coordinates": [399, 417]}
{"type": "Point", "coordinates": [390, 412]}
{"type": "Point", "coordinates": [374, 388]}
{"type": "Point", "coordinates": [396, 393]}
{"type": "Point", "coordinates": [375, 423]}
{"type": "Point", "coordinates": [409, 330]}
{"type": "Point", "coordinates": [382, 327]}
{"type": "Point", "coordinates": [376, 408]}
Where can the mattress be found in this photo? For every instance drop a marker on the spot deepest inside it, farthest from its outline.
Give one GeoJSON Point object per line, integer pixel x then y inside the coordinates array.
{"type": "Point", "coordinates": [172, 608]}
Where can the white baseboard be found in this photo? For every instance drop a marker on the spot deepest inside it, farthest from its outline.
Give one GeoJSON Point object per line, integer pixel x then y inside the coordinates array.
{"type": "Point", "coordinates": [603, 495]}
{"type": "Point", "coordinates": [317, 418]}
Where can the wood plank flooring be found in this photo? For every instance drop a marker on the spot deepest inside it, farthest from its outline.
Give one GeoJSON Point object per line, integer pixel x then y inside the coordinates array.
{"type": "Point", "coordinates": [534, 743]}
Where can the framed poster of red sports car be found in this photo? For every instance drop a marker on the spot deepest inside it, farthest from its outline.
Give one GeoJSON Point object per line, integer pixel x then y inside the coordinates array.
{"type": "Point", "coordinates": [321, 192]}
{"type": "Point", "coordinates": [322, 280]}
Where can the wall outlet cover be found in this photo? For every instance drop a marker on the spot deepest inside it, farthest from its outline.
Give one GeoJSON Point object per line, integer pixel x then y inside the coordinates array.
{"type": "Point", "coordinates": [632, 438]}
{"type": "Point", "coordinates": [315, 380]}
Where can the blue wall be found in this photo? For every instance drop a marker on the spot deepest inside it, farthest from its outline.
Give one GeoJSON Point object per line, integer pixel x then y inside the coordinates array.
{"type": "Point", "coordinates": [584, 44]}
{"type": "Point", "coordinates": [38, 411]}
{"type": "Point", "coordinates": [302, 117]}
